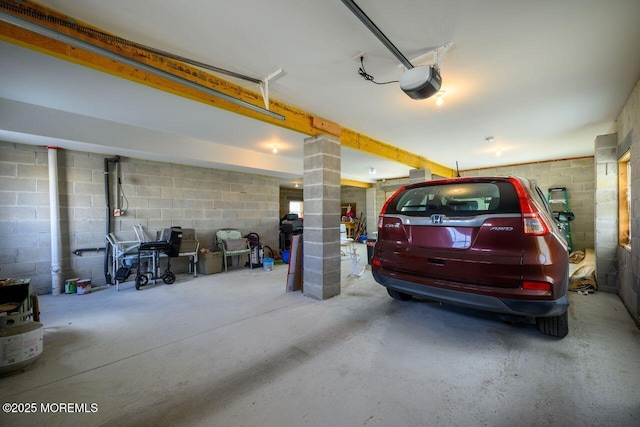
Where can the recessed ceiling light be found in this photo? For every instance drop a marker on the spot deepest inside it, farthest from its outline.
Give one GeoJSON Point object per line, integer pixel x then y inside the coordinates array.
{"type": "Point", "coordinates": [489, 139]}
{"type": "Point", "coordinates": [372, 171]}
{"type": "Point", "coordinates": [274, 148]}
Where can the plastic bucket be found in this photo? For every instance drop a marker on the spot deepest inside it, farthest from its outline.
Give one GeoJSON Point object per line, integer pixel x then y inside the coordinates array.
{"type": "Point", "coordinates": [267, 264]}
{"type": "Point", "coordinates": [285, 256]}
{"type": "Point", "coordinates": [363, 239]}
{"type": "Point", "coordinates": [71, 286]}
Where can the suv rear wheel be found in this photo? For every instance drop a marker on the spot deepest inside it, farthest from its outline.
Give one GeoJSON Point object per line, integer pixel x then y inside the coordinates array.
{"type": "Point", "coordinates": [557, 326]}
{"type": "Point", "coordinates": [400, 296]}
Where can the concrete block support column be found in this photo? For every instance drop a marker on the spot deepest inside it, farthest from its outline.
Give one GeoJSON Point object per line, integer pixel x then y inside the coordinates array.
{"type": "Point", "coordinates": [606, 212]}
{"type": "Point", "coordinates": [321, 217]}
{"type": "Point", "coordinates": [419, 175]}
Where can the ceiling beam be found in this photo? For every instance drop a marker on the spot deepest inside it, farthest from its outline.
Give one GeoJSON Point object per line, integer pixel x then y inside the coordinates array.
{"type": "Point", "coordinates": [357, 141]}
{"type": "Point", "coordinates": [352, 183]}
{"type": "Point", "coordinates": [295, 119]}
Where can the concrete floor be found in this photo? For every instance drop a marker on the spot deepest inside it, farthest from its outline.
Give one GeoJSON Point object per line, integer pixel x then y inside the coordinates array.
{"type": "Point", "coordinates": [235, 350]}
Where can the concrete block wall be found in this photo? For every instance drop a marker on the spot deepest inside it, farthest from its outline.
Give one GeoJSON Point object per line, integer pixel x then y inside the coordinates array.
{"type": "Point", "coordinates": [163, 195]}
{"type": "Point", "coordinates": [419, 175]}
{"type": "Point", "coordinates": [159, 195]}
{"type": "Point", "coordinates": [577, 175]}
{"type": "Point", "coordinates": [287, 195]}
{"type": "Point", "coordinates": [25, 251]}
{"type": "Point", "coordinates": [628, 263]}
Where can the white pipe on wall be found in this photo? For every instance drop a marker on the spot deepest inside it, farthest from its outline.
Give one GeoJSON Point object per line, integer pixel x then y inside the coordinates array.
{"type": "Point", "coordinates": [54, 219]}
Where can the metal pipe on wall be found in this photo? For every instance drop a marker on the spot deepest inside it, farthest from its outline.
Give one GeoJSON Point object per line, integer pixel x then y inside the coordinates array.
{"type": "Point", "coordinates": [54, 220]}
{"type": "Point", "coordinates": [107, 197]}
{"type": "Point", "coordinates": [116, 186]}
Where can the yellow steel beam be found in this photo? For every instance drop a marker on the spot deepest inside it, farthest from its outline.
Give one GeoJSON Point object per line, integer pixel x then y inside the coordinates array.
{"type": "Point", "coordinates": [351, 139]}
{"type": "Point", "coordinates": [352, 183]}
{"type": "Point", "coordinates": [295, 119]}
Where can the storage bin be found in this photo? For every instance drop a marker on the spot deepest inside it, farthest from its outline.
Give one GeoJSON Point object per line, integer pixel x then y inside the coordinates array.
{"type": "Point", "coordinates": [210, 262]}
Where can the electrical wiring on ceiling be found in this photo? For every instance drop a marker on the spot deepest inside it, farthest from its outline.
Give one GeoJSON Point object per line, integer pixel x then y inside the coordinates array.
{"type": "Point", "coordinates": [368, 77]}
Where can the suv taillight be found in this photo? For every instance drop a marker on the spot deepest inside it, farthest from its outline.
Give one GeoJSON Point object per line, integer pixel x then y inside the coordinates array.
{"type": "Point", "coordinates": [384, 207]}
{"type": "Point", "coordinates": [534, 224]}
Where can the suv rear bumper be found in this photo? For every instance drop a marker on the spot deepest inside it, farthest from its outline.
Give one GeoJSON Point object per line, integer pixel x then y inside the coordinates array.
{"type": "Point", "coordinates": [478, 301]}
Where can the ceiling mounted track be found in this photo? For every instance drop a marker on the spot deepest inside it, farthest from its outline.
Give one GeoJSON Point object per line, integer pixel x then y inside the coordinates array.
{"type": "Point", "coordinates": [64, 38]}
{"type": "Point", "coordinates": [353, 7]}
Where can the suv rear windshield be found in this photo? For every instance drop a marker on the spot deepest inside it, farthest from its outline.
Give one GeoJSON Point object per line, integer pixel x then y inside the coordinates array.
{"type": "Point", "coordinates": [456, 199]}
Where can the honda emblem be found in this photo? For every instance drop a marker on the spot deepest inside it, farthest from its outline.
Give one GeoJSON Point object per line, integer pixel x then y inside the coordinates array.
{"type": "Point", "coordinates": [437, 219]}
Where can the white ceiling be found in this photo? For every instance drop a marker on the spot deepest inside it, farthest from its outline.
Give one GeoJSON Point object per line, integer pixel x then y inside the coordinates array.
{"type": "Point", "coordinates": [544, 78]}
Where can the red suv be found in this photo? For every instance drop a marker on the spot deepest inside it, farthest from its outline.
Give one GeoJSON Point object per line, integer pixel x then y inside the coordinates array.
{"type": "Point", "coordinates": [487, 243]}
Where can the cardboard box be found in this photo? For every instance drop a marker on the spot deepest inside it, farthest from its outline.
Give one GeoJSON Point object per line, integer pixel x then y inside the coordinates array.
{"type": "Point", "coordinates": [210, 263]}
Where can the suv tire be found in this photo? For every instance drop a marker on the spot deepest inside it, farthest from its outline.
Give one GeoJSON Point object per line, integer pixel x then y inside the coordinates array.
{"type": "Point", "coordinates": [557, 326]}
{"type": "Point", "coordinates": [400, 296]}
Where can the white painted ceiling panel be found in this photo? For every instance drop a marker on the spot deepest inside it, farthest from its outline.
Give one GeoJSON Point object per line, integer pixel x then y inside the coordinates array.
{"type": "Point", "coordinates": [543, 78]}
